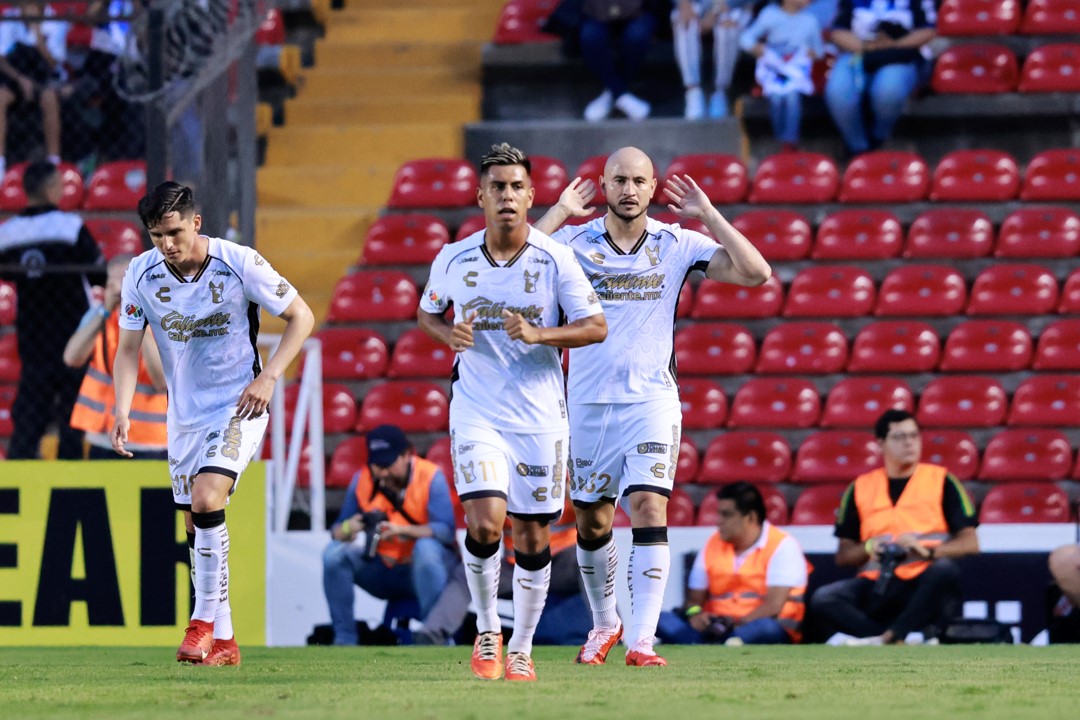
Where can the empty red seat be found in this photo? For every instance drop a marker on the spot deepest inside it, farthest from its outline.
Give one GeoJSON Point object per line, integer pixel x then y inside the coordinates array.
{"type": "Point", "coordinates": [974, 175]}
{"type": "Point", "coordinates": [680, 509]}
{"type": "Point", "coordinates": [859, 235]}
{"type": "Point", "coordinates": [521, 21]}
{"type": "Point", "coordinates": [1026, 454]}
{"type": "Point", "coordinates": [271, 30]}
{"type": "Point", "coordinates": [10, 366]}
{"type": "Point", "coordinates": [116, 237]}
{"type": "Point", "coordinates": [470, 225]}
{"type": "Point", "coordinates": [13, 198]}
{"type": "Point", "coordinates": [795, 177]}
{"type": "Point", "coordinates": [776, 510]}
{"type": "Point", "coordinates": [751, 455]}
{"type": "Point", "coordinates": [434, 183]}
{"type": "Point", "coordinates": [716, 300]}
{"type": "Point", "coordinates": [950, 233]}
{"type": "Point", "coordinates": [1070, 294]}
{"type": "Point", "coordinates": [1053, 174]}
{"type": "Point", "coordinates": [117, 185]}
{"type": "Point", "coordinates": [901, 346]}
{"type": "Point", "coordinates": [987, 346]}
{"type": "Point", "coordinates": [441, 453]}
{"type": "Point", "coordinates": [1046, 401]}
{"type": "Point", "coordinates": [817, 505]}
{"type": "Point", "coordinates": [952, 449]}
{"type": "Point", "coordinates": [830, 291]}
{"type": "Point", "coordinates": [412, 239]}
{"type": "Point", "coordinates": [7, 303]}
{"type": "Point", "coordinates": [833, 456]}
{"type": "Point", "coordinates": [885, 176]}
{"type": "Point", "coordinates": [338, 407]}
{"type": "Point", "coordinates": [352, 354]}
{"type": "Point", "coordinates": [1013, 290]}
{"type": "Point", "coordinates": [666, 216]}
{"type": "Point", "coordinates": [803, 347]}
{"type": "Point", "coordinates": [1039, 232]}
{"type": "Point", "coordinates": [775, 403]}
{"type": "Point", "coordinates": [714, 349]}
{"type": "Point", "coordinates": [592, 168]}
{"type": "Point", "coordinates": [7, 399]}
{"type": "Point", "coordinates": [689, 462]}
{"type": "Point", "coordinates": [962, 401]}
{"type": "Point", "coordinates": [548, 178]}
{"type": "Point", "coordinates": [373, 295]}
{"type": "Point", "coordinates": [418, 355]}
{"type": "Point", "coordinates": [704, 405]}
{"type": "Point", "coordinates": [978, 17]}
{"type": "Point", "coordinates": [685, 303]}
{"type": "Point", "coordinates": [412, 405]}
{"type": "Point", "coordinates": [1051, 68]}
{"type": "Point", "coordinates": [859, 401]}
{"type": "Point", "coordinates": [984, 69]}
{"type": "Point", "coordinates": [777, 234]}
{"type": "Point", "coordinates": [921, 290]}
{"type": "Point", "coordinates": [723, 177]}
{"type": "Point", "coordinates": [348, 458]}
{"type": "Point", "coordinates": [1025, 503]}
{"type": "Point", "coordinates": [1059, 346]}
{"type": "Point", "coordinates": [1050, 17]}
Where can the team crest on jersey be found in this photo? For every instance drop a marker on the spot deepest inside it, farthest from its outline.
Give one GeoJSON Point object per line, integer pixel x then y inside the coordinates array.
{"type": "Point", "coordinates": [653, 253]}
{"type": "Point", "coordinates": [216, 290]}
{"type": "Point", "coordinates": [531, 470]}
{"type": "Point", "coordinates": [597, 258]}
{"type": "Point", "coordinates": [133, 311]}
{"type": "Point", "coordinates": [530, 281]}
{"type": "Point", "coordinates": [652, 448]}
{"type": "Point", "coordinates": [468, 473]}
{"type": "Point", "coordinates": [282, 289]}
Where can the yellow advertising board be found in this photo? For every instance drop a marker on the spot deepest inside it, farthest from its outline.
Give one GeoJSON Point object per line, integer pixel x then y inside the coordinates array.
{"type": "Point", "coordinates": [95, 553]}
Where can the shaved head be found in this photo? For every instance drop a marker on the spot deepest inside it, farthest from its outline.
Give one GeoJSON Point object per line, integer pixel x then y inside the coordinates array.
{"type": "Point", "coordinates": [628, 183]}
{"type": "Point", "coordinates": [628, 161]}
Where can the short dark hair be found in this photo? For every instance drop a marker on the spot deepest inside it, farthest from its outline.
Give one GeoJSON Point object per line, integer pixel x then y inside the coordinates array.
{"type": "Point", "coordinates": [166, 198]}
{"type": "Point", "coordinates": [890, 417]}
{"type": "Point", "coordinates": [505, 154]}
{"type": "Point", "coordinates": [746, 497]}
{"type": "Point", "coordinates": [37, 176]}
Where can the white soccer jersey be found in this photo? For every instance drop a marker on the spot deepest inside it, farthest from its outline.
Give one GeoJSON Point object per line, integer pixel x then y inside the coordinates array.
{"type": "Point", "coordinates": [501, 382]}
{"type": "Point", "coordinates": [639, 292]}
{"type": "Point", "coordinates": [206, 325]}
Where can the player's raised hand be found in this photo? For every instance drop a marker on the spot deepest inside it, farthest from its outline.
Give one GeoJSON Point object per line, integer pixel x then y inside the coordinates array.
{"type": "Point", "coordinates": [518, 328]}
{"type": "Point", "coordinates": [576, 197]}
{"type": "Point", "coordinates": [119, 436]}
{"type": "Point", "coordinates": [687, 199]}
{"type": "Point", "coordinates": [461, 336]}
{"type": "Point", "coordinates": [256, 398]}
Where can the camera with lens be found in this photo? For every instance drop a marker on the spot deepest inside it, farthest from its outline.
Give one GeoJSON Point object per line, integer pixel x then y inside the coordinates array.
{"type": "Point", "coordinates": [890, 555]}
{"type": "Point", "coordinates": [717, 631]}
{"type": "Point", "coordinates": [372, 519]}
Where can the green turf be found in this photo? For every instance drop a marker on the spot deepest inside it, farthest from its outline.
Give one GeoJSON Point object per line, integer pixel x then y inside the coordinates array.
{"type": "Point", "coordinates": [806, 683]}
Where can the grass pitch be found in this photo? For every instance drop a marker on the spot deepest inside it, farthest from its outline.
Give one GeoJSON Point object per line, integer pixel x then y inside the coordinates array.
{"type": "Point", "coordinates": [803, 683]}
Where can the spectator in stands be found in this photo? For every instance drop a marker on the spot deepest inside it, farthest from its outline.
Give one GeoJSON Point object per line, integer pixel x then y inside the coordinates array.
{"type": "Point", "coordinates": [95, 342]}
{"type": "Point", "coordinates": [748, 582]}
{"type": "Point", "coordinates": [905, 524]}
{"type": "Point", "coordinates": [400, 505]}
{"type": "Point", "coordinates": [58, 260]}
{"type": "Point", "coordinates": [615, 36]}
{"type": "Point", "coordinates": [785, 39]}
{"type": "Point", "coordinates": [32, 53]}
{"type": "Point", "coordinates": [880, 65]}
{"type": "Point", "coordinates": [725, 19]}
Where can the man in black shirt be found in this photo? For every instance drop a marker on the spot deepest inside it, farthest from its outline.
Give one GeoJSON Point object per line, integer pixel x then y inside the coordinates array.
{"type": "Point", "coordinates": [53, 260]}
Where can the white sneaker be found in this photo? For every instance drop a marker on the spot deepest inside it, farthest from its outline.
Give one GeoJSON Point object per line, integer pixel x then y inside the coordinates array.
{"type": "Point", "coordinates": [839, 639]}
{"type": "Point", "coordinates": [695, 104]}
{"type": "Point", "coordinates": [633, 107]}
{"type": "Point", "coordinates": [599, 108]}
{"type": "Point", "coordinates": [865, 642]}
{"type": "Point", "coordinates": [718, 107]}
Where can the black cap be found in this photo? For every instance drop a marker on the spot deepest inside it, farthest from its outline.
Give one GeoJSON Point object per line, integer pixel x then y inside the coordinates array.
{"type": "Point", "coordinates": [385, 444]}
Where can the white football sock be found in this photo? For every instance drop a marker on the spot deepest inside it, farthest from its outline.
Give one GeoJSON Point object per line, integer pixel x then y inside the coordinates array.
{"type": "Point", "coordinates": [648, 574]}
{"type": "Point", "coordinates": [530, 595]}
{"type": "Point", "coordinates": [598, 575]}
{"type": "Point", "coordinates": [482, 575]}
{"type": "Point", "coordinates": [210, 545]}
{"type": "Point", "coordinates": [223, 629]}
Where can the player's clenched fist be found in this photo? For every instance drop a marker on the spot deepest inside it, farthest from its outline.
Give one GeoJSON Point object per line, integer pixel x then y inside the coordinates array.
{"type": "Point", "coordinates": [461, 336]}
{"type": "Point", "coordinates": [518, 328]}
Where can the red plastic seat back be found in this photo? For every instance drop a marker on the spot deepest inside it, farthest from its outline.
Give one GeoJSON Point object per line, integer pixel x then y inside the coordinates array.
{"type": "Point", "coordinates": [978, 17]}
{"type": "Point", "coordinates": [830, 291]}
{"type": "Point", "coordinates": [1059, 346]}
{"type": "Point", "coordinates": [1020, 289]}
{"type": "Point", "coordinates": [10, 364]}
{"type": "Point", "coordinates": [717, 300]}
{"type": "Point", "coordinates": [13, 197]}
{"type": "Point", "coordinates": [975, 175]}
{"type": "Point", "coordinates": [751, 455]}
{"type": "Point", "coordinates": [412, 239]}
{"type": "Point", "coordinates": [775, 403]}
{"type": "Point", "coordinates": [953, 449]}
{"type": "Point", "coordinates": [521, 21]}
{"type": "Point", "coordinates": [1046, 401]}
{"type": "Point", "coordinates": [7, 400]}
{"type": "Point", "coordinates": [686, 471]}
{"type": "Point", "coordinates": [117, 185]}
{"type": "Point", "coordinates": [1026, 454]}
{"type": "Point", "coordinates": [704, 405]}
{"type": "Point", "coordinates": [983, 69]}
{"type": "Point", "coordinates": [803, 348]}
{"type": "Point", "coordinates": [859, 235]}
{"type": "Point", "coordinates": [434, 183]}
{"type": "Point", "coordinates": [963, 401]}
{"type": "Point", "coordinates": [1039, 232]}
{"type": "Point", "coordinates": [950, 233]}
{"type": "Point", "coordinates": [1025, 503]}
{"type": "Point", "coordinates": [348, 458]}
{"type": "Point", "coordinates": [1070, 294]}
{"type": "Point", "coordinates": [352, 353]}
{"type": "Point", "coordinates": [1050, 17]}
{"type": "Point", "coordinates": [987, 346]}
{"type": "Point", "coordinates": [714, 349]}
{"type": "Point", "coordinates": [441, 453]}
{"type": "Point", "coordinates": [338, 411]}
{"type": "Point", "coordinates": [885, 176]}
{"type": "Point", "coordinates": [921, 290]}
{"type": "Point", "coordinates": [777, 234]}
{"type": "Point", "coordinates": [548, 178]}
{"type": "Point", "coordinates": [795, 177]}
{"type": "Point", "coordinates": [418, 355]}
{"type": "Point", "coordinates": [859, 401]}
{"type": "Point", "coordinates": [680, 509]}
{"type": "Point", "coordinates": [1051, 68]}
{"type": "Point", "coordinates": [373, 295]}
{"type": "Point", "coordinates": [8, 303]}
{"type": "Point", "coordinates": [412, 405]}
{"type": "Point", "coordinates": [271, 30]}
{"type": "Point", "coordinates": [470, 225]}
{"type": "Point", "coordinates": [1053, 175]}
{"type": "Point", "coordinates": [817, 505]}
{"type": "Point", "coordinates": [724, 178]}
{"type": "Point", "coordinates": [833, 456]}
{"type": "Point", "coordinates": [116, 237]}
{"type": "Point", "coordinates": [895, 346]}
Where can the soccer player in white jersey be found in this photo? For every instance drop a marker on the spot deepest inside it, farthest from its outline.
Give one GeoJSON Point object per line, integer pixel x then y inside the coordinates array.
{"type": "Point", "coordinates": [625, 417]}
{"type": "Point", "coordinates": [507, 284]}
{"type": "Point", "coordinates": [201, 296]}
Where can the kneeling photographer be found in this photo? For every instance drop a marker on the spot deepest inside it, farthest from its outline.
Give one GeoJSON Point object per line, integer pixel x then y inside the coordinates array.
{"type": "Point", "coordinates": [394, 536]}
{"type": "Point", "coordinates": [903, 524]}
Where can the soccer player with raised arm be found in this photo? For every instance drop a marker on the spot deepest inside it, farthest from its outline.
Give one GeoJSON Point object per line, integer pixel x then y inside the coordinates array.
{"type": "Point", "coordinates": [625, 417]}
{"type": "Point", "coordinates": [201, 297]}
{"type": "Point", "coordinates": [508, 284]}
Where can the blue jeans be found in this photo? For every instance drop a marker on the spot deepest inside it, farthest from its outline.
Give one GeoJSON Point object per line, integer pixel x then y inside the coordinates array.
{"type": "Point", "coordinates": [633, 36]}
{"type": "Point", "coordinates": [786, 113]}
{"type": "Point", "coordinates": [885, 89]}
{"type": "Point", "coordinates": [344, 564]}
{"type": "Point", "coordinates": [674, 630]}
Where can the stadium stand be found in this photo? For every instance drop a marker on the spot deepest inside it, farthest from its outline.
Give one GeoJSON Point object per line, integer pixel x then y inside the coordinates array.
{"type": "Point", "coordinates": [858, 235]}
{"type": "Point", "coordinates": [715, 300]}
{"type": "Point", "coordinates": [1018, 454]}
{"type": "Point", "coordinates": [724, 178]}
{"type": "Point", "coordinates": [795, 177]}
{"type": "Point", "coordinates": [857, 402]}
{"type": "Point", "coordinates": [1039, 232]}
{"type": "Point", "coordinates": [905, 346]}
{"type": "Point", "coordinates": [885, 176]}
{"type": "Point", "coordinates": [954, 449]}
{"type": "Point", "coordinates": [830, 291]}
{"type": "Point", "coordinates": [780, 235]}
{"type": "Point", "coordinates": [1025, 503]}
{"type": "Point", "coordinates": [950, 233]}
{"type": "Point", "coordinates": [752, 455]}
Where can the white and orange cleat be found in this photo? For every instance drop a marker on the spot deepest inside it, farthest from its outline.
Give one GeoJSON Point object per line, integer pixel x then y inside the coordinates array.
{"type": "Point", "coordinates": [487, 656]}
{"type": "Point", "coordinates": [598, 645]}
{"type": "Point", "coordinates": [223, 652]}
{"type": "Point", "coordinates": [198, 640]}
{"type": "Point", "coordinates": [519, 667]}
{"type": "Point", "coordinates": [643, 655]}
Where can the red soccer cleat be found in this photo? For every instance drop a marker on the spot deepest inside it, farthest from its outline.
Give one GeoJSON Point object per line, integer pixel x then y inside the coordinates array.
{"type": "Point", "coordinates": [198, 639]}
{"type": "Point", "coordinates": [223, 652]}
{"type": "Point", "coordinates": [598, 645]}
{"type": "Point", "coordinates": [642, 655]}
{"type": "Point", "coordinates": [487, 656]}
{"type": "Point", "coordinates": [519, 667]}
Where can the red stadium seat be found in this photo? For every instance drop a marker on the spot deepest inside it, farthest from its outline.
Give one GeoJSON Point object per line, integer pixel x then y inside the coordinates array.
{"type": "Point", "coordinates": [817, 505]}
{"type": "Point", "coordinates": [441, 453]}
{"type": "Point", "coordinates": [548, 177]}
{"type": "Point", "coordinates": [470, 225]}
{"type": "Point", "coordinates": [666, 216]}
{"type": "Point", "coordinates": [1051, 68]}
{"type": "Point", "coordinates": [13, 198]}
{"type": "Point", "coordinates": [714, 349]}
{"type": "Point", "coordinates": [723, 177]}
{"type": "Point", "coordinates": [520, 22]}
{"type": "Point", "coordinates": [778, 235]}
{"type": "Point", "coordinates": [1046, 401]}
{"type": "Point", "coordinates": [953, 449]}
{"type": "Point", "coordinates": [352, 354]}
{"type": "Point", "coordinates": [1013, 290]}
{"type": "Point", "coordinates": [117, 185]}
{"type": "Point", "coordinates": [1039, 232]}
{"type": "Point", "coordinates": [10, 366]}
{"type": "Point", "coordinates": [836, 455]}
{"type": "Point", "coordinates": [859, 401]}
{"type": "Point", "coordinates": [412, 239]}
{"type": "Point", "coordinates": [685, 303]}
{"type": "Point", "coordinates": [1059, 346]}
{"type": "Point", "coordinates": [1070, 294]}
{"type": "Point", "coordinates": [921, 290]}
{"type": "Point", "coordinates": [349, 458]}
{"type": "Point", "coordinates": [116, 237]}
{"type": "Point", "coordinates": [950, 233]}
{"type": "Point", "coordinates": [859, 235]}
{"type": "Point", "coordinates": [776, 510]}
{"type": "Point", "coordinates": [1053, 175]}
{"type": "Point", "coordinates": [717, 300]}
{"type": "Point", "coordinates": [434, 183]}
{"type": "Point", "coordinates": [987, 346]}
{"type": "Point", "coordinates": [592, 168]}
{"type": "Point", "coordinates": [983, 69]}
{"type": "Point", "coordinates": [754, 456]}
{"type": "Point", "coordinates": [303, 468]}
{"type": "Point", "coordinates": [1050, 17]}
{"type": "Point", "coordinates": [7, 303]}
{"type": "Point", "coordinates": [885, 176]}
{"type": "Point", "coordinates": [418, 355]}
{"type": "Point", "coordinates": [412, 405]}
{"type": "Point", "coordinates": [373, 295]}
{"type": "Point", "coordinates": [795, 177]}
{"type": "Point", "coordinates": [775, 403]}
{"type": "Point", "coordinates": [271, 30]}
{"type": "Point", "coordinates": [689, 461]}
{"type": "Point", "coordinates": [900, 346]}
{"type": "Point", "coordinates": [830, 291]}
{"type": "Point", "coordinates": [1025, 503]}
{"type": "Point", "coordinates": [978, 17]}
{"type": "Point", "coordinates": [962, 401]}
{"type": "Point", "coordinates": [975, 175]}
{"type": "Point", "coordinates": [338, 407]}
{"type": "Point", "coordinates": [7, 399]}
{"type": "Point", "coordinates": [1026, 454]}
{"type": "Point", "coordinates": [704, 405]}
{"type": "Point", "coordinates": [680, 509]}
{"type": "Point", "coordinates": [808, 347]}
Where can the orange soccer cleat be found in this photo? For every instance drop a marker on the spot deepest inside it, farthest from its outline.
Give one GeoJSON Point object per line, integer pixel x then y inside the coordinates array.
{"type": "Point", "coordinates": [519, 667]}
{"type": "Point", "coordinates": [223, 652]}
{"type": "Point", "coordinates": [598, 645]}
{"type": "Point", "coordinates": [198, 639]}
{"type": "Point", "coordinates": [487, 656]}
{"type": "Point", "coordinates": [642, 655]}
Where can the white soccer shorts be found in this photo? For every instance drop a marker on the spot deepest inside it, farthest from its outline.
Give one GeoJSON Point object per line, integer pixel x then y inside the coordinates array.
{"type": "Point", "coordinates": [224, 446]}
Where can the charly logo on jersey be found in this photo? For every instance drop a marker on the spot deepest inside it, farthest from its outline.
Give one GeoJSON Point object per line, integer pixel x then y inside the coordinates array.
{"type": "Point", "coordinates": [468, 278]}
{"type": "Point", "coordinates": [163, 294]}
{"type": "Point", "coordinates": [525, 470]}
{"type": "Point", "coordinates": [653, 253]}
{"type": "Point", "coordinates": [133, 311]}
{"type": "Point", "coordinates": [628, 286]}
{"type": "Point", "coordinates": [216, 291]}
{"type": "Point", "coordinates": [597, 258]}
{"type": "Point", "coordinates": [182, 328]}
{"type": "Point", "coordinates": [530, 281]}
{"type": "Point", "coordinates": [489, 313]}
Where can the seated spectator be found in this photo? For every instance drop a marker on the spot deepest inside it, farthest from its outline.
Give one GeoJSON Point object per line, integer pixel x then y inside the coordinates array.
{"type": "Point", "coordinates": [747, 584]}
{"type": "Point", "coordinates": [615, 36]}
{"type": "Point", "coordinates": [785, 39]}
{"type": "Point", "coordinates": [880, 65]}
{"type": "Point", "coordinates": [725, 19]}
{"type": "Point", "coordinates": [400, 505]}
{"type": "Point", "coordinates": [905, 524]}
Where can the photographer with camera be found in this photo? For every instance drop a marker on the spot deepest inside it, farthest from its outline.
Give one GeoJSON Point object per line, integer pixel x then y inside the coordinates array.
{"type": "Point", "coordinates": [904, 524]}
{"type": "Point", "coordinates": [394, 536]}
{"type": "Point", "coordinates": [746, 585]}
